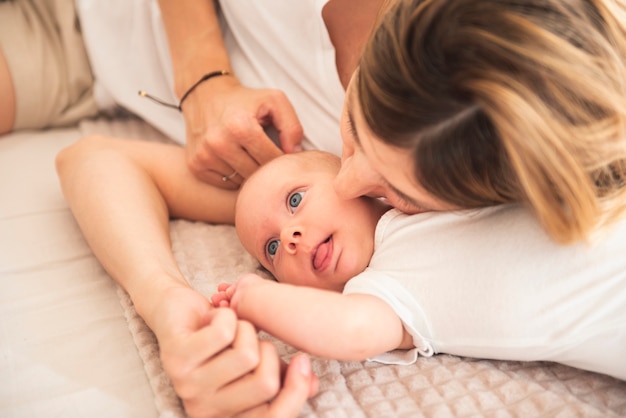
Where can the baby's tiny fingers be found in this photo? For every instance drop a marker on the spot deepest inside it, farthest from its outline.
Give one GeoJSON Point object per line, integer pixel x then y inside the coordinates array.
{"type": "Point", "coordinates": [223, 286]}
{"type": "Point", "coordinates": [218, 298]}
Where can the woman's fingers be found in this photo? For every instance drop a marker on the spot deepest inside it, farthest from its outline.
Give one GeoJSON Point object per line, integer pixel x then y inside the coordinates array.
{"type": "Point", "coordinates": [300, 383]}
{"type": "Point", "coordinates": [234, 379]}
{"type": "Point", "coordinates": [256, 388]}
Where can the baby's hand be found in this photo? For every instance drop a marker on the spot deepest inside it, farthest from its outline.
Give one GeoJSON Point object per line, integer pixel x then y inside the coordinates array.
{"type": "Point", "coordinates": [228, 295]}
{"type": "Point", "coordinates": [225, 291]}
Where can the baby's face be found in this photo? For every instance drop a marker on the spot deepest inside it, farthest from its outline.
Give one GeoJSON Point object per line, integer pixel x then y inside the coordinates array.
{"type": "Point", "coordinates": [290, 218]}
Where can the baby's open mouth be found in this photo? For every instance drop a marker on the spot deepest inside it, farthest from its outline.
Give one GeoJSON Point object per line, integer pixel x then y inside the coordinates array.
{"type": "Point", "coordinates": [323, 254]}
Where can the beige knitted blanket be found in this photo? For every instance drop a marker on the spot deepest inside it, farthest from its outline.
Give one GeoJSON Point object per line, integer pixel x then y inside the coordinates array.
{"type": "Point", "coordinates": [440, 386]}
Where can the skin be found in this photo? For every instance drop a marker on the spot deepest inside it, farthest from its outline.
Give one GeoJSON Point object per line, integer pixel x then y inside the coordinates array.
{"type": "Point", "coordinates": [140, 193]}
{"type": "Point", "coordinates": [225, 120]}
{"type": "Point", "coordinates": [290, 218]}
{"type": "Point", "coordinates": [211, 356]}
{"type": "Point", "coordinates": [224, 130]}
{"type": "Point", "coordinates": [322, 240]}
{"type": "Point", "coordinates": [368, 167]}
{"type": "Point", "coordinates": [360, 326]}
{"type": "Point", "coordinates": [371, 167]}
{"type": "Point", "coordinates": [7, 98]}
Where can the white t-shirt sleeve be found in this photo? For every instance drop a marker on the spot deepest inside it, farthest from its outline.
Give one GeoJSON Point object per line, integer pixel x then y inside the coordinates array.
{"type": "Point", "coordinates": [408, 310]}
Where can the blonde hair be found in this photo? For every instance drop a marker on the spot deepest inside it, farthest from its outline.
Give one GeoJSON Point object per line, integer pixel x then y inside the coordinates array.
{"type": "Point", "coordinates": [506, 101]}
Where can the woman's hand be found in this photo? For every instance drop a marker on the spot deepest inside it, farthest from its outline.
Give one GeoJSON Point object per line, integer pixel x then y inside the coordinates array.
{"type": "Point", "coordinates": [217, 364]}
{"type": "Point", "coordinates": [298, 379]}
{"type": "Point", "coordinates": [225, 130]}
{"type": "Point", "coordinates": [226, 141]}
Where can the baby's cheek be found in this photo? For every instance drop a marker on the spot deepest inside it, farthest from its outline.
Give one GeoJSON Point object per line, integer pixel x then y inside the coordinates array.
{"type": "Point", "coordinates": [352, 266]}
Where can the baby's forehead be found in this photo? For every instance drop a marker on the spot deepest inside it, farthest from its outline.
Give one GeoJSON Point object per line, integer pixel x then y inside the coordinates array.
{"type": "Point", "coordinates": [276, 172]}
{"type": "Point", "coordinates": [266, 179]}
{"type": "Point", "coordinates": [288, 162]}
{"type": "Point", "coordinates": [287, 168]}
{"type": "Point", "coordinates": [294, 166]}
{"type": "Point", "coordinates": [309, 161]}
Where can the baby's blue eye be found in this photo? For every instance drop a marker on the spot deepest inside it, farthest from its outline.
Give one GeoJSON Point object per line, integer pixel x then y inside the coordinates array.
{"type": "Point", "coordinates": [272, 247]}
{"type": "Point", "coordinates": [295, 199]}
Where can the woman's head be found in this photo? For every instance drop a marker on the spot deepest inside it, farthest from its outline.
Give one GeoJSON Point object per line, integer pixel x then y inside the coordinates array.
{"type": "Point", "coordinates": [484, 102]}
{"type": "Point", "coordinates": [289, 217]}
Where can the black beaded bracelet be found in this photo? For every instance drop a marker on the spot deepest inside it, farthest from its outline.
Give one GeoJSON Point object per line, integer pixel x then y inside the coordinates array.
{"type": "Point", "coordinates": [204, 78]}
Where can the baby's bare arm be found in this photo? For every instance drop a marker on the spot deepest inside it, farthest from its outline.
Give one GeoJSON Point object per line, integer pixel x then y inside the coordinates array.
{"type": "Point", "coordinates": [320, 322]}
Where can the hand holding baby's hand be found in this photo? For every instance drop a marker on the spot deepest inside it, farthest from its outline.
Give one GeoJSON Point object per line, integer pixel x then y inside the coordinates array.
{"type": "Point", "coordinates": [228, 295]}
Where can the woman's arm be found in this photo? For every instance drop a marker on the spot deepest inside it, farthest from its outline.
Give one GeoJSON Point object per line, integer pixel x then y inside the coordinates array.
{"type": "Point", "coordinates": [320, 322]}
{"type": "Point", "coordinates": [122, 193]}
{"type": "Point", "coordinates": [225, 120]}
{"type": "Point", "coordinates": [195, 40]}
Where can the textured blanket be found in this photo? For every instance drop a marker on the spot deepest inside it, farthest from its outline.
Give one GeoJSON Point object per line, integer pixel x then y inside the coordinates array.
{"type": "Point", "coordinates": [440, 386]}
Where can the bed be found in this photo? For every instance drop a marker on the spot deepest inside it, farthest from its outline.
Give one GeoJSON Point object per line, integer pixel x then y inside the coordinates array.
{"type": "Point", "coordinates": [72, 345]}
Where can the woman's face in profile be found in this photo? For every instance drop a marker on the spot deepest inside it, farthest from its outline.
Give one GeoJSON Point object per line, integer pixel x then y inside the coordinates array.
{"type": "Point", "coordinates": [371, 167]}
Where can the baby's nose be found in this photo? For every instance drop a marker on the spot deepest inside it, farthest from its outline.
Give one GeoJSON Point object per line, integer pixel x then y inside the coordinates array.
{"type": "Point", "coordinates": [290, 239]}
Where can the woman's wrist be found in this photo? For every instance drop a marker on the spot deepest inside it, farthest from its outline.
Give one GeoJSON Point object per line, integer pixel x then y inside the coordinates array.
{"type": "Point", "coordinates": [149, 297]}
{"type": "Point", "coordinates": [206, 77]}
{"type": "Point", "coordinates": [197, 106]}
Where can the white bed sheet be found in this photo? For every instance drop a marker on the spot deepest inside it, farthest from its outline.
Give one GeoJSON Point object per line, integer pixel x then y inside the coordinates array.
{"type": "Point", "coordinates": [65, 346]}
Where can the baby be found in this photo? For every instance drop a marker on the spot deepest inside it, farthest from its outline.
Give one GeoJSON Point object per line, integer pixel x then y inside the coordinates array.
{"type": "Point", "coordinates": [357, 280]}
{"type": "Point", "coordinates": [291, 220]}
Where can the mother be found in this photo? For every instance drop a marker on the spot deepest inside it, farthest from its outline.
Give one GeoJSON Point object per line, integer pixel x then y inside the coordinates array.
{"type": "Point", "coordinates": [460, 103]}
{"type": "Point", "coordinates": [471, 104]}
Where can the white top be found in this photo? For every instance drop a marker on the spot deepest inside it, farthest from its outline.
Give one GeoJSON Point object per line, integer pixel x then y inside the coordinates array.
{"type": "Point", "coordinates": [533, 300]}
{"type": "Point", "coordinates": [279, 44]}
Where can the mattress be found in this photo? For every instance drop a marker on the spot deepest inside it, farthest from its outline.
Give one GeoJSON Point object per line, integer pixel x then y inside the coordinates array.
{"type": "Point", "coordinates": [72, 345]}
